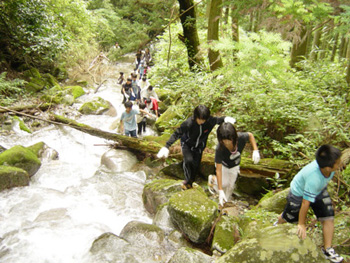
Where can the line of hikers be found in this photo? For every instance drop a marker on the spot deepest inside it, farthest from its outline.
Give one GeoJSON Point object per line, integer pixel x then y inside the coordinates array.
{"type": "Point", "coordinates": [308, 188]}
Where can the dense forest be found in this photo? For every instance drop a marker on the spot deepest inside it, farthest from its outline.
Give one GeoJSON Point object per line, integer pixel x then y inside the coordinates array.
{"type": "Point", "coordinates": [281, 68]}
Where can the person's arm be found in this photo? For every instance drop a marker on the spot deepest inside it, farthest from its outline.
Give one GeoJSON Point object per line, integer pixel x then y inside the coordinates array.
{"type": "Point", "coordinates": [121, 126]}
{"type": "Point", "coordinates": [302, 218]}
{"type": "Point", "coordinates": [219, 175]}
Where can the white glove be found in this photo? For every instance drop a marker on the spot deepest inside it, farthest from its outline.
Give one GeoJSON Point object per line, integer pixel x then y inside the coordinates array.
{"type": "Point", "coordinates": [256, 156]}
{"type": "Point", "coordinates": [164, 152]}
{"type": "Point", "coordinates": [222, 197]}
{"type": "Point", "coordinates": [126, 95]}
{"type": "Point", "coordinates": [230, 120]}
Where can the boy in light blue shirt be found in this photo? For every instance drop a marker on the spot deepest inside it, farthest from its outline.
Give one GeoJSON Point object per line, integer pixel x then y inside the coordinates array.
{"type": "Point", "coordinates": [128, 119]}
{"type": "Point", "coordinates": [309, 188]}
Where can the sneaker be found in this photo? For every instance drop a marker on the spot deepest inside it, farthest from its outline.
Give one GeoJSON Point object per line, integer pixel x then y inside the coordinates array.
{"type": "Point", "coordinates": [211, 181]}
{"type": "Point", "coordinates": [275, 223]}
{"type": "Point", "coordinates": [186, 186]}
{"type": "Point", "coordinates": [330, 254]}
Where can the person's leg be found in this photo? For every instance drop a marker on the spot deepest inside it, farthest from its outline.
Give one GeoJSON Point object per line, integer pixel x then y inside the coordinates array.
{"type": "Point", "coordinates": [127, 133]}
{"type": "Point", "coordinates": [139, 128]}
{"type": "Point", "coordinates": [187, 163]}
{"type": "Point", "coordinates": [328, 230]}
{"type": "Point", "coordinates": [291, 210]}
{"type": "Point", "coordinates": [229, 177]}
{"type": "Point", "coordinates": [144, 121]}
{"type": "Point", "coordinates": [133, 133]}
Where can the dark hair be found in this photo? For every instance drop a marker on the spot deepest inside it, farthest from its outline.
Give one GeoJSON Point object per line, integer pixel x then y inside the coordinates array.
{"type": "Point", "coordinates": [142, 105]}
{"type": "Point", "coordinates": [121, 73]}
{"type": "Point", "coordinates": [128, 104]}
{"type": "Point", "coordinates": [148, 100]}
{"type": "Point", "coordinates": [128, 79]}
{"type": "Point", "coordinates": [134, 75]}
{"type": "Point", "coordinates": [150, 87]}
{"type": "Point", "coordinates": [226, 131]}
{"type": "Point", "coordinates": [327, 155]}
{"type": "Point", "coordinates": [201, 112]}
{"type": "Point", "coordinates": [144, 77]}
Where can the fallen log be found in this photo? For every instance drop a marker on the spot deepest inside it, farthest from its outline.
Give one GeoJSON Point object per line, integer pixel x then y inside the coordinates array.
{"type": "Point", "coordinates": [41, 107]}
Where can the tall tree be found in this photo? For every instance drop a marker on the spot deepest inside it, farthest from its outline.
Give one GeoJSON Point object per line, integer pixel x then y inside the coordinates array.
{"type": "Point", "coordinates": [190, 34]}
{"type": "Point", "coordinates": [213, 34]}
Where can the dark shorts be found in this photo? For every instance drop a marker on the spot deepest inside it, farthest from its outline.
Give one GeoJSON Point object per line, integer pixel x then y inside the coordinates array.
{"type": "Point", "coordinates": [322, 207]}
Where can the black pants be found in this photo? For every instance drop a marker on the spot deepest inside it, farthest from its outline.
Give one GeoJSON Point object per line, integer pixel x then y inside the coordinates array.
{"type": "Point", "coordinates": [191, 162]}
{"type": "Point", "coordinates": [141, 126]}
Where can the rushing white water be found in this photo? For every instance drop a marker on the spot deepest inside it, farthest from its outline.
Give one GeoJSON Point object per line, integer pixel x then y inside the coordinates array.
{"type": "Point", "coordinates": [72, 200]}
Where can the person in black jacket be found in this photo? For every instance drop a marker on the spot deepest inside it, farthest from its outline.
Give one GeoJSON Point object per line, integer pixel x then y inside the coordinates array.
{"type": "Point", "coordinates": [194, 134]}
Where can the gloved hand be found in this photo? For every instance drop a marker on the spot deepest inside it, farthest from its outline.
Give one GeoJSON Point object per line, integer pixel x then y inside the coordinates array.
{"type": "Point", "coordinates": [164, 152]}
{"type": "Point", "coordinates": [256, 156]}
{"type": "Point", "coordinates": [126, 95]}
{"type": "Point", "coordinates": [222, 197]}
{"type": "Point", "coordinates": [230, 120]}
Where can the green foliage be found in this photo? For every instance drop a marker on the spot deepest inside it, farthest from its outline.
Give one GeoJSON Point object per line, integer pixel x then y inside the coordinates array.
{"type": "Point", "coordinates": [290, 113]}
{"type": "Point", "coordinates": [9, 90]}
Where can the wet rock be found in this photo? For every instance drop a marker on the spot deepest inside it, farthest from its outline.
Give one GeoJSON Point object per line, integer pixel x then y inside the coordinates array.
{"type": "Point", "coordinates": [193, 213]}
{"type": "Point", "coordinates": [43, 151]}
{"type": "Point", "coordinates": [158, 192]}
{"type": "Point", "coordinates": [97, 106]}
{"type": "Point", "coordinates": [190, 255]}
{"type": "Point", "coordinates": [76, 91]}
{"type": "Point", "coordinates": [274, 203]}
{"type": "Point", "coordinates": [274, 245]}
{"type": "Point", "coordinates": [21, 157]}
{"type": "Point", "coordinates": [118, 161]}
{"type": "Point", "coordinates": [12, 177]}
{"type": "Point", "coordinates": [226, 234]}
{"type": "Point", "coordinates": [162, 219]}
{"type": "Point", "coordinates": [111, 248]}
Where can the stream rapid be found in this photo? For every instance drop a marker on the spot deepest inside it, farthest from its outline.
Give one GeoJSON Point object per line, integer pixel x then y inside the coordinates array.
{"type": "Point", "coordinates": [74, 199]}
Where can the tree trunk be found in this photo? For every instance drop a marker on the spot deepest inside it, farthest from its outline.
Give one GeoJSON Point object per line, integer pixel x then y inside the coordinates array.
{"type": "Point", "coordinates": [348, 63]}
{"type": "Point", "coordinates": [335, 44]}
{"type": "Point", "coordinates": [299, 48]}
{"type": "Point", "coordinates": [213, 34]}
{"type": "Point", "coordinates": [190, 37]}
{"type": "Point", "coordinates": [342, 47]}
{"type": "Point", "coordinates": [316, 44]}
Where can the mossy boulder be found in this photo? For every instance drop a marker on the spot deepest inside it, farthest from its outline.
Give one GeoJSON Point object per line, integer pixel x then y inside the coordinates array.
{"type": "Point", "coordinates": [76, 91]}
{"type": "Point", "coordinates": [21, 124]}
{"type": "Point", "coordinates": [171, 113]}
{"type": "Point", "coordinates": [21, 157]}
{"type": "Point", "coordinates": [96, 107]}
{"type": "Point", "coordinates": [37, 82]}
{"type": "Point", "coordinates": [186, 254]}
{"type": "Point", "coordinates": [193, 213]}
{"type": "Point", "coordinates": [158, 192]}
{"type": "Point", "coordinates": [274, 202]}
{"type": "Point", "coordinates": [12, 177]}
{"type": "Point", "coordinates": [274, 245]}
{"type": "Point", "coordinates": [226, 234]}
{"type": "Point", "coordinates": [42, 150]}
{"type": "Point", "coordinates": [174, 170]}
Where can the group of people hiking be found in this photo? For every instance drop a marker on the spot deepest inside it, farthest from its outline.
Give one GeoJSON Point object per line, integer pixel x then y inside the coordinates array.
{"type": "Point", "coordinates": [137, 90]}
{"type": "Point", "coordinates": [308, 187]}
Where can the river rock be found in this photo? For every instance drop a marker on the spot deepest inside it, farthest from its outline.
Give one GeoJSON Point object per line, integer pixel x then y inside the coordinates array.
{"type": "Point", "coordinates": [21, 157]}
{"type": "Point", "coordinates": [43, 151]}
{"type": "Point", "coordinates": [97, 106]}
{"type": "Point", "coordinates": [110, 248]}
{"type": "Point", "coordinates": [274, 203]}
{"type": "Point", "coordinates": [193, 213]}
{"type": "Point", "coordinates": [12, 177]}
{"type": "Point", "coordinates": [158, 192]}
{"type": "Point", "coordinates": [274, 245]}
{"type": "Point", "coordinates": [226, 234]}
{"type": "Point", "coordinates": [149, 239]}
{"type": "Point", "coordinates": [190, 255]}
{"type": "Point", "coordinates": [162, 219]}
{"type": "Point", "coordinates": [118, 160]}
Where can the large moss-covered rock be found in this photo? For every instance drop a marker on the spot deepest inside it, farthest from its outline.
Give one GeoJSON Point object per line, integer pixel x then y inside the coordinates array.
{"type": "Point", "coordinates": [43, 151]}
{"type": "Point", "coordinates": [21, 157]}
{"type": "Point", "coordinates": [226, 234]}
{"type": "Point", "coordinates": [158, 192]}
{"type": "Point", "coordinates": [274, 202]}
{"type": "Point", "coordinates": [171, 113]}
{"type": "Point", "coordinates": [274, 245]}
{"type": "Point", "coordinates": [190, 255]}
{"type": "Point", "coordinates": [97, 106]}
{"type": "Point", "coordinates": [193, 213]}
{"type": "Point", "coordinates": [12, 177]}
{"type": "Point", "coordinates": [76, 91]}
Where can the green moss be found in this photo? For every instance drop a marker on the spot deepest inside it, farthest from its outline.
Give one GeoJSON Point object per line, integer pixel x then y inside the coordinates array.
{"type": "Point", "coordinates": [22, 125]}
{"type": "Point", "coordinates": [97, 106]}
{"type": "Point", "coordinates": [224, 234]}
{"type": "Point", "coordinates": [76, 91]}
{"type": "Point", "coordinates": [12, 177]}
{"type": "Point", "coordinates": [36, 148]}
